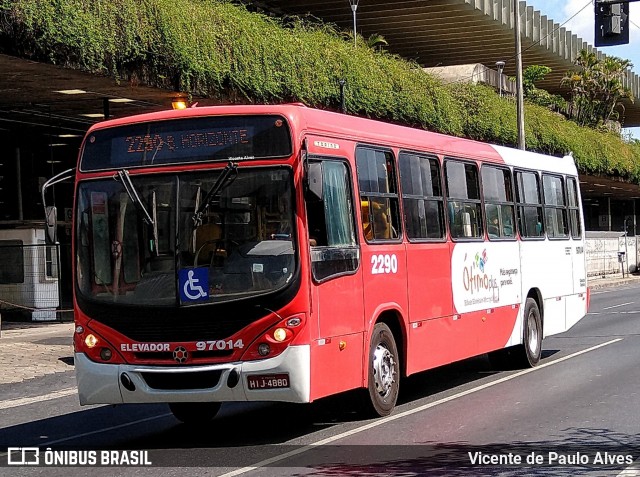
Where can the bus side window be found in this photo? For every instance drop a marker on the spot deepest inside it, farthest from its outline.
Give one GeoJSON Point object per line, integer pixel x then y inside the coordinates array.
{"type": "Point", "coordinates": [378, 194]}
{"type": "Point", "coordinates": [498, 202]}
{"type": "Point", "coordinates": [332, 240]}
{"type": "Point", "coordinates": [554, 206]}
{"type": "Point", "coordinates": [422, 196]}
{"type": "Point", "coordinates": [529, 205]}
{"type": "Point", "coordinates": [574, 208]}
{"type": "Point", "coordinates": [463, 194]}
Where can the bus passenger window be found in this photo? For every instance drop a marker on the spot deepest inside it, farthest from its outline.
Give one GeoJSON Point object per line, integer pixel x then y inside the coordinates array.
{"type": "Point", "coordinates": [422, 196]}
{"type": "Point", "coordinates": [574, 208]}
{"type": "Point", "coordinates": [529, 205]}
{"type": "Point", "coordinates": [463, 193]}
{"type": "Point", "coordinates": [378, 194]}
{"type": "Point", "coordinates": [554, 207]}
{"type": "Point", "coordinates": [498, 202]}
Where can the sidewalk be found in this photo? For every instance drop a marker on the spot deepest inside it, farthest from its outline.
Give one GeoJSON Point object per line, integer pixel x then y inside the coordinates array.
{"type": "Point", "coordinates": [596, 283]}
{"type": "Point", "coordinates": [30, 350]}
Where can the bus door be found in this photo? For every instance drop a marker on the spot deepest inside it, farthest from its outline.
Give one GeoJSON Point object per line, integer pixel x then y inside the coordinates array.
{"type": "Point", "coordinates": [384, 271]}
{"type": "Point", "coordinates": [337, 305]}
{"type": "Point", "coordinates": [428, 261]}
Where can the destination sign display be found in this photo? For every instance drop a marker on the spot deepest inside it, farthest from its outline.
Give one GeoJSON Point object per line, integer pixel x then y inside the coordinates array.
{"type": "Point", "coordinates": [187, 140]}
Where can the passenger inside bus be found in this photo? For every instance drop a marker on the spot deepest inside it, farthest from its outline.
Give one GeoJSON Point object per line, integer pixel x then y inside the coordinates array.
{"type": "Point", "coordinates": [380, 228]}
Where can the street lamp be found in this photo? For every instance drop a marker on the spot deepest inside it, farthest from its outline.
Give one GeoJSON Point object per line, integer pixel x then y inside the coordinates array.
{"type": "Point", "coordinates": [519, 92]}
{"type": "Point", "coordinates": [354, 7]}
{"type": "Point", "coordinates": [500, 68]}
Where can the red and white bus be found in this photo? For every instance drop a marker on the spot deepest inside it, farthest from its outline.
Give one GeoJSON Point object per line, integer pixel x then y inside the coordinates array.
{"type": "Point", "coordinates": [283, 253]}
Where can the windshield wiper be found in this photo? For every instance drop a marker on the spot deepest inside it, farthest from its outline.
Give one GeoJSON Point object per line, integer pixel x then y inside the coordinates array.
{"type": "Point", "coordinates": [227, 176]}
{"type": "Point", "coordinates": [123, 175]}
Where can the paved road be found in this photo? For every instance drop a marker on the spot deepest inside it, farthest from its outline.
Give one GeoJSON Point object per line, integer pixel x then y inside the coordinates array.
{"type": "Point", "coordinates": [582, 400]}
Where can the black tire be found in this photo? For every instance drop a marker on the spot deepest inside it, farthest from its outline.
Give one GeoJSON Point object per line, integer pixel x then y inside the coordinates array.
{"type": "Point", "coordinates": [384, 371]}
{"type": "Point", "coordinates": [527, 354]}
{"type": "Point", "coordinates": [194, 412]}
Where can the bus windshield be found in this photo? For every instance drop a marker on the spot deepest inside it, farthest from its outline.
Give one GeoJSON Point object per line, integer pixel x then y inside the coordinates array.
{"type": "Point", "coordinates": [240, 245]}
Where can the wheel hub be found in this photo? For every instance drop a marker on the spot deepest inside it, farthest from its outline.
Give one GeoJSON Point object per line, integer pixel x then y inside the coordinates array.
{"type": "Point", "coordinates": [533, 334]}
{"type": "Point", "coordinates": [384, 370]}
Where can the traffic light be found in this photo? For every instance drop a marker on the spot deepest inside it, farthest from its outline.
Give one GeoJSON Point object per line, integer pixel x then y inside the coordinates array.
{"type": "Point", "coordinates": [612, 23]}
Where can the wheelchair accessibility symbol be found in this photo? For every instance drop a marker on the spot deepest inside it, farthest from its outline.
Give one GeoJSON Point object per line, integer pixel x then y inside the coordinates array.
{"type": "Point", "coordinates": [194, 284]}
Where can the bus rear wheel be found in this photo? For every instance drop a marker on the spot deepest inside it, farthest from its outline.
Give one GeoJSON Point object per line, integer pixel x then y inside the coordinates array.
{"type": "Point", "coordinates": [530, 351]}
{"type": "Point", "coordinates": [194, 412]}
{"type": "Point", "coordinates": [384, 371]}
{"type": "Point", "coordinates": [527, 354]}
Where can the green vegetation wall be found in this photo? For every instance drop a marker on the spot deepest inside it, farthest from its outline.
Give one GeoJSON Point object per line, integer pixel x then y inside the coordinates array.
{"type": "Point", "coordinates": [220, 50]}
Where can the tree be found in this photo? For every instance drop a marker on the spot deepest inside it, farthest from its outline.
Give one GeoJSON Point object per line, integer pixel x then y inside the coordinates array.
{"type": "Point", "coordinates": [541, 97]}
{"type": "Point", "coordinates": [596, 88]}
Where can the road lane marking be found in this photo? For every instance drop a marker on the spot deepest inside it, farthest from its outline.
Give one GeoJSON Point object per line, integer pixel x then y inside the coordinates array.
{"type": "Point", "coordinates": [9, 403]}
{"type": "Point", "coordinates": [106, 429]}
{"type": "Point", "coordinates": [97, 431]}
{"type": "Point", "coordinates": [409, 412]}
{"type": "Point", "coordinates": [632, 471]}
{"type": "Point", "coordinates": [631, 312]}
{"type": "Point", "coordinates": [616, 306]}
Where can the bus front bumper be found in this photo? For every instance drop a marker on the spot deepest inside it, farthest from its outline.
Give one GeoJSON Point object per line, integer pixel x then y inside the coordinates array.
{"type": "Point", "coordinates": [125, 383]}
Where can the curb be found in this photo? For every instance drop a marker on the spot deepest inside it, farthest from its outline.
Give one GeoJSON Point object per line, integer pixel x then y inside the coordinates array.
{"type": "Point", "coordinates": [610, 284]}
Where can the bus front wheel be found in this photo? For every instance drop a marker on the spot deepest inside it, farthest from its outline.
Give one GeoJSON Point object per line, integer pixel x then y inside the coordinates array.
{"type": "Point", "coordinates": [194, 412]}
{"type": "Point", "coordinates": [384, 371]}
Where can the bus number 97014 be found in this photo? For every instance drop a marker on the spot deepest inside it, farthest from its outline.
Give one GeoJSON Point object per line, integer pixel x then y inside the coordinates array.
{"type": "Point", "coordinates": [220, 345]}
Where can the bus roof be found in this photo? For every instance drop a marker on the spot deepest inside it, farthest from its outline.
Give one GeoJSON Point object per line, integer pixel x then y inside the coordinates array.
{"type": "Point", "coordinates": [363, 130]}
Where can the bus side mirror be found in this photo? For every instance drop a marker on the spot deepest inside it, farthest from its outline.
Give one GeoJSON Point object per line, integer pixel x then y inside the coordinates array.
{"type": "Point", "coordinates": [314, 179]}
{"type": "Point", "coordinates": [51, 224]}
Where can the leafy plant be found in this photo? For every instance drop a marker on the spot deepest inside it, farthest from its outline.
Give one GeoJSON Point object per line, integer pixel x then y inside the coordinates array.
{"type": "Point", "coordinates": [220, 50]}
{"type": "Point", "coordinates": [541, 97]}
{"type": "Point", "coordinates": [597, 90]}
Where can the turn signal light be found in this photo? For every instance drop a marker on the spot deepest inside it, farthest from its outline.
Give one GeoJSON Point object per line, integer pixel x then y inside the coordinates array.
{"type": "Point", "coordinates": [91, 341]}
{"type": "Point", "coordinates": [280, 334]}
{"type": "Point", "coordinates": [276, 339]}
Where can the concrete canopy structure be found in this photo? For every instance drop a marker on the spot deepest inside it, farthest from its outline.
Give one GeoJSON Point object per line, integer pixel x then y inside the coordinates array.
{"type": "Point", "coordinates": [454, 32]}
{"type": "Point", "coordinates": [40, 127]}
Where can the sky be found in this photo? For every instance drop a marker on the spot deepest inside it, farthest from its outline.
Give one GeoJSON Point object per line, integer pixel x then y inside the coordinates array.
{"type": "Point", "coordinates": [583, 25]}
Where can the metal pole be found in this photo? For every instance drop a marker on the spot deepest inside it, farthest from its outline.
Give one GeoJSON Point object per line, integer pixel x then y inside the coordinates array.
{"type": "Point", "coordinates": [635, 236]}
{"type": "Point", "coordinates": [520, 101]}
{"type": "Point", "coordinates": [19, 182]}
{"type": "Point", "coordinates": [500, 68]}
{"type": "Point", "coordinates": [354, 7]}
{"type": "Point", "coordinates": [626, 248]}
{"type": "Point", "coordinates": [105, 108]}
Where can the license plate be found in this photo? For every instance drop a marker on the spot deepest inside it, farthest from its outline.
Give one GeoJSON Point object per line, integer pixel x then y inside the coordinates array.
{"type": "Point", "coordinates": [268, 381]}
